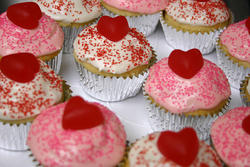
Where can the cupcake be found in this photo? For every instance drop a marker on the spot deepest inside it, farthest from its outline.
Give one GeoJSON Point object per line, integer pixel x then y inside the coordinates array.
{"type": "Point", "coordinates": [23, 28]}
{"type": "Point", "coordinates": [77, 133]}
{"type": "Point", "coordinates": [27, 86]}
{"type": "Point", "coordinates": [72, 15]}
{"type": "Point", "coordinates": [245, 91]}
{"type": "Point", "coordinates": [112, 59]}
{"type": "Point", "coordinates": [194, 24]}
{"type": "Point", "coordinates": [230, 135]}
{"type": "Point", "coordinates": [233, 51]}
{"type": "Point", "coordinates": [172, 149]}
{"type": "Point", "coordinates": [143, 15]}
{"type": "Point", "coordinates": [186, 90]}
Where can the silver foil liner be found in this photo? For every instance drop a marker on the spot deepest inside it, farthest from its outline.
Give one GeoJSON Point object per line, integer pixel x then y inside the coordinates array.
{"type": "Point", "coordinates": [109, 88]}
{"type": "Point", "coordinates": [13, 137]}
{"type": "Point", "coordinates": [56, 62]}
{"type": "Point", "coordinates": [144, 23]}
{"type": "Point", "coordinates": [234, 72]}
{"type": "Point", "coordinates": [243, 89]}
{"type": "Point", "coordinates": [160, 120]}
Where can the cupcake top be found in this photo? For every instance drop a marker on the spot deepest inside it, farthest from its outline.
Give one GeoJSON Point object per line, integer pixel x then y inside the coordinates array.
{"type": "Point", "coordinates": [196, 12]}
{"type": "Point", "coordinates": [26, 98]}
{"type": "Point", "coordinates": [231, 137]}
{"type": "Point", "coordinates": [146, 152]}
{"type": "Point", "coordinates": [55, 139]}
{"type": "Point", "coordinates": [204, 89]}
{"type": "Point", "coordinates": [142, 6]}
{"type": "Point", "coordinates": [236, 38]}
{"type": "Point", "coordinates": [122, 55]}
{"type": "Point", "coordinates": [71, 11]}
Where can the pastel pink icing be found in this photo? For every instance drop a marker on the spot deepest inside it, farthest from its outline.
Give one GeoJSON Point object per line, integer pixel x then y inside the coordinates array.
{"type": "Point", "coordinates": [101, 146]}
{"type": "Point", "coordinates": [45, 39]}
{"type": "Point", "coordinates": [237, 40]}
{"type": "Point", "coordinates": [205, 90]}
{"type": "Point", "coordinates": [142, 6]}
{"type": "Point", "coordinates": [231, 142]}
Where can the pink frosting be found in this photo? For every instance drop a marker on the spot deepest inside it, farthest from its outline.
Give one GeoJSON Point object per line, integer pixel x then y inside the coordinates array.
{"type": "Point", "coordinates": [45, 39]}
{"type": "Point", "coordinates": [237, 40]}
{"type": "Point", "coordinates": [101, 146]}
{"type": "Point", "coordinates": [142, 6]}
{"type": "Point", "coordinates": [204, 91]}
{"type": "Point", "coordinates": [231, 142]}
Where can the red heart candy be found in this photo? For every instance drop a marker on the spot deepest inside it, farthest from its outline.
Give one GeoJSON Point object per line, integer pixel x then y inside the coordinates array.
{"type": "Point", "coordinates": [113, 28]}
{"type": "Point", "coordinates": [180, 147]}
{"type": "Point", "coordinates": [248, 24]}
{"type": "Point", "coordinates": [186, 64]}
{"type": "Point", "coordinates": [80, 114]}
{"type": "Point", "coordinates": [202, 0]}
{"type": "Point", "coordinates": [20, 67]}
{"type": "Point", "coordinates": [25, 15]}
{"type": "Point", "coordinates": [246, 124]}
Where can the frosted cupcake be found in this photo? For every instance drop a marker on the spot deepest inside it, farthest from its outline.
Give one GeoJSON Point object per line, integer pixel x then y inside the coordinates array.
{"type": "Point", "coordinates": [245, 91]}
{"type": "Point", "coordinates": [230, 135]}
{"type": "Point", "coordinates": [143, 15]}
{"type": "Point", "coordinates": [233, 51]}
{"type": "Point", "coordinates": [186, 90]}
{"type": "Point", "coordinates": [23, 28]}
{"type": "Point", "coordinates": [112, 59]}
{"type": "Point", "coordinates": [27, 86]}
{"type": "Point", "coordinates": [77, 133]}
{"type": "Point", "coordinates": [72, 15]}
{"type": "Point", "coordinates": [172, 149]}
{"type": "Point", "coordinates": [194, 24]}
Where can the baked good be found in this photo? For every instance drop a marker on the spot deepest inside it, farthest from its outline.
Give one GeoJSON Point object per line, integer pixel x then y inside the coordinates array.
{"type": "Point", "coordinates": [43, 38]}
{"type": "Point", "coordinates": [77, 133]}
{"type": "Point", "coordinates": [245, 91]}
{"type": "Point", "coordinates": [112, 59]}
{"type": "Point", "coordinates": [194, 24]}
{"type": "Point", "coordinates": [230, 136]}
{"type": "Point", "coordinates": [186, 90]}
{"type": "Point", "coordinates": [143, 15]}
{"type": "Point", "coordinates": [233, 51]}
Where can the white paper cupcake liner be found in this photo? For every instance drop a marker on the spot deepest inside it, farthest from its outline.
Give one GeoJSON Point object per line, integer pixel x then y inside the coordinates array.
{"type": "Point", "coordinates": [144, 23]}
{"type": "Point", "coordinates": [243, 90]}
{"type": "Point", "coordinates": [160, 120]}
{"type": "Point", "coordinates": [109, 88]}
{"type": "Point", "coordinates": [13, 137]}
{"type": "Point", "coordinates": [56, 62]}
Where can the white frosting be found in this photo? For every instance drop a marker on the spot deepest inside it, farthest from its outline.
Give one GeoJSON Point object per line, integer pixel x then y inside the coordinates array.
{"type": "Point", "coordinates": [113, 57]}
{"type": "Point", "coordinates": [24, 100]}
{"type": "Point", "coordinates": [68, 11]}
{"type": "Point", "coordinates": [248, 87]}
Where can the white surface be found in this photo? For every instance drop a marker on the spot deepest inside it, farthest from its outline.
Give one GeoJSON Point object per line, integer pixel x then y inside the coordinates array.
{"type": "Point", "coordinates": [132, 111]}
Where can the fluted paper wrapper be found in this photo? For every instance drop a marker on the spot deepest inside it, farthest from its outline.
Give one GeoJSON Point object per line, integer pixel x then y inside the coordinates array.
{"type": "Point", "coordinates": [160, 120]}
{"type": "Point", "coordinates": [109, 88]}
{"type": "Point", "coordinates": [234, 72]}
{"type": "Point", "coordinates": [144, 23]}
{"type": "Point", "coordinates": [56, 62]}
{"type": "Point", "coordinates": [243, 91]}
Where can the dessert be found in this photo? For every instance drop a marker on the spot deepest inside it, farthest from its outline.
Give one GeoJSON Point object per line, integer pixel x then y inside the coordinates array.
{"type": "Point", "coordinates": [245, 91]}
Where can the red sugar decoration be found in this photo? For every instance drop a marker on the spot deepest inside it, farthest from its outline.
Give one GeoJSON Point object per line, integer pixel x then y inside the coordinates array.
{"type": "Point", "coordinates": [248, 24]}
{"type": "Point", "coordinates": [246, 124]}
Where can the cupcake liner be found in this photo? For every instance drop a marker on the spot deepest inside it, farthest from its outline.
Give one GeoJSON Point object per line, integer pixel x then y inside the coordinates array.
{"type": "Point", "coordinates": [161, 120]}
{"type": "Point", "coordinates": [243, 89]}
{"type": "Point", "coordinates": [144, 23]}
{"type": "Point", "coordinates": [234, 72]}
{"type": "Point", "coordinates": [56, 62]}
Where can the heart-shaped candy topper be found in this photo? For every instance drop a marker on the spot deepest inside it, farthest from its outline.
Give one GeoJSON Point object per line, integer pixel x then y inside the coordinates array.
{"type": "Point", "coordinates": [80, 114]}
{"type": "Point", "coordinates": [248, 24]}
{"type": "Point", "coordinates": [113, 29]}
{"type": "Point", "coordinates": [25, 15]}
{"type": "Point", "coordinates": [246, 124]}
{"type": "Point", "coordinates": [180, 147]}
{"type": "Point", "coordinates": [186, 64]}
{"type": "Point", "coordinates": [20, 67]}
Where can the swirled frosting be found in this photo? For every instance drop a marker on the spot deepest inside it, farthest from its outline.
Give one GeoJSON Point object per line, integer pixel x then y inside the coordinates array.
{"type": "Point", "coordinates": [205, 90]}
{"type": "Point", "coordinates": [100, 146]}
{"type": "Point", "coordinates": [237, 40]}
{"type": "Point", "coordinates": [231, 142]}
{"type": "Point", "coordinates": [24, 100]}
{"type": "Point", "coordinates": [71, 11]}
{"type": "Point", "coordinates": [145, 152]}
{"type": "Point", "coordinates": [113, 57]}
{"type": "Point", "coordinates": [142, 6]}
{"type": "Point", "coordinates": [45, 39]}
{"type": "Point", "coordinates": [194, 12]}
